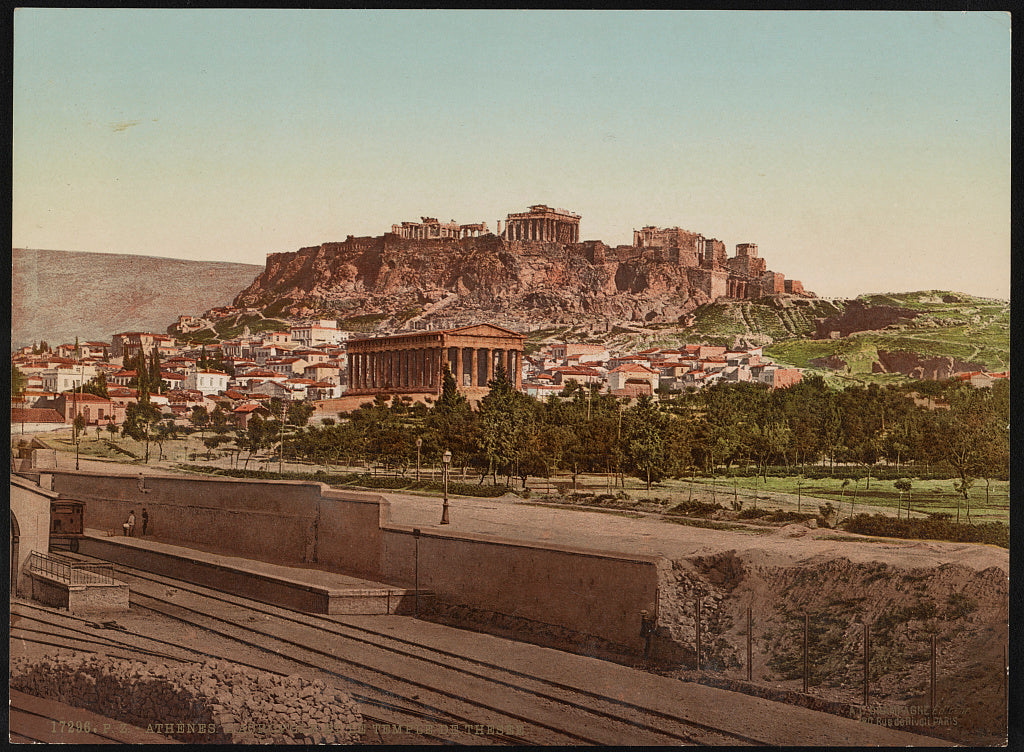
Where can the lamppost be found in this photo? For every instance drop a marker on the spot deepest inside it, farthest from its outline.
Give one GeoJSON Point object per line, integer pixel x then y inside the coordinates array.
{"type": "Point", "coordinates": [419, 443]}
{"type": "Point", "coordinates": [446, 459]}
{"type": "Point", "coordinates": [82, 371]}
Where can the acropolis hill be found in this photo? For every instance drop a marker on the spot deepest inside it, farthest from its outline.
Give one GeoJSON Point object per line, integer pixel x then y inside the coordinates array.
{"type": "Point", "coordinates": [534, 270]}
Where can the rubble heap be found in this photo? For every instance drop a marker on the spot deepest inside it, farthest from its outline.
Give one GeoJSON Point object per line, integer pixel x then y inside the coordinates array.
{"type": "Point", "coordinates": [214, 702]}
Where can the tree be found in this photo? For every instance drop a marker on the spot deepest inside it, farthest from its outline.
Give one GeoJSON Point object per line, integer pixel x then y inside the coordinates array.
{"type": "Point", "coordinates": [138, 421]}
{"type": "Point", "coordinates": [18, 382]}
{"type": "Point", "coordinates": [904, 486]}
{"type": "Point", "coordinates": [299, 413]}
{"type": "Point", "coordinates": [842, 491]}
{"type": "Point", "coordinates": [97, 386]}
{"type": "Point", "coordinates": [963, 487]}
{"type": "Point", "coordinates": [154, 376]}
{"type": "Point", "coordinates": [498, 424]}
{"type": "Point", "coordinates": [645, 437]}
{"type": "Point", "coordinates": [200, 418]}
{"type": "Point", "coordinates": [79, 424]}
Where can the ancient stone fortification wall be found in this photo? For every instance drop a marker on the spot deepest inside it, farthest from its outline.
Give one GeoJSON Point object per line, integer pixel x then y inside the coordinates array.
{"type": "Point", "coordinates": [592, 593]}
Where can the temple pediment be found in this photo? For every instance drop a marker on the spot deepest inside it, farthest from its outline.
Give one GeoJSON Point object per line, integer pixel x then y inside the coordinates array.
{"type": "Point", "coordinates": [483, 330]}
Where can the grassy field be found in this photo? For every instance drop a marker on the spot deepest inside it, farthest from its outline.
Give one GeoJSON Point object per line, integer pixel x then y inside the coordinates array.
{"type": "Point", "coordinates": [782, 493]}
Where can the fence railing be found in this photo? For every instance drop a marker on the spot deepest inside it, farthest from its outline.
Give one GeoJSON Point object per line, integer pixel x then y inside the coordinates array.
{"type": "Point", "coordinates": [71, 571]}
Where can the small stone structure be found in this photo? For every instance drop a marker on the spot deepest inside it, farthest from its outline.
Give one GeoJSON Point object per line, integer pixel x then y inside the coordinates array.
{"type": "Point", "coordinates": [79, 588]}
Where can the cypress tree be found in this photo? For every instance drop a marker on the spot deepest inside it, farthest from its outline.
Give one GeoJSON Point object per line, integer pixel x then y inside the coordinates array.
{"type": "Point", "coordinates": [154, 371]}
{"type": "Point", "coordinates": [142, 376]}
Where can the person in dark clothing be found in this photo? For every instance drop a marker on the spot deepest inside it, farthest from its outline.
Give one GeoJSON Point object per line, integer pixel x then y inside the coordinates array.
{"type": "Point", "coordinates": [145, 520]}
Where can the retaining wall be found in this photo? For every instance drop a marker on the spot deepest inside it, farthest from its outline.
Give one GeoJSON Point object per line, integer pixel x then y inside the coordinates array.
{"type": "Point", "coordinates": [285, 522]}
{"type": "Point", "coordinates": [591, 592]}
{"type": "Point", "coordinates": [594, 592]}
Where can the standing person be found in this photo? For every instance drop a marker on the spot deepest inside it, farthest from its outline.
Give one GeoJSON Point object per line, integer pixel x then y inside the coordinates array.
{"type": "Point", "coordinates": [129, 525]}
{"type": "Point", "coordinates": [145, 520]}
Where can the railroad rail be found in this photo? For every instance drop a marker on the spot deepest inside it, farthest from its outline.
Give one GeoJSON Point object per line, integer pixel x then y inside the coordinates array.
{"type": "Point", "coordinates": [553, 712]}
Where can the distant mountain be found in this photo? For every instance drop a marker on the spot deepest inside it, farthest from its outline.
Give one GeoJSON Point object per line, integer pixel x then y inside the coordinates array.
{"type": "Point", "coordinates": [58, 295]}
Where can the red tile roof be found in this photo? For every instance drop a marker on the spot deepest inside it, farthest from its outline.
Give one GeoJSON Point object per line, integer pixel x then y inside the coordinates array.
{"type": "Point", "coordinates": [35, 415]}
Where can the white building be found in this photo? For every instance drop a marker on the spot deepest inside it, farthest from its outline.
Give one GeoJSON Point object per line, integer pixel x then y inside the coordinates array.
{"type": "Point", "coordinates": [316, 333]}
{"type": "Point", "coordinates": [207, 382]}
{"type": "Point", "coordinates": [66, 378]}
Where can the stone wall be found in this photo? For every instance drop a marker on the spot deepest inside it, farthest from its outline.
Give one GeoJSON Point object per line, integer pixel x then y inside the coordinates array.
{"type": "Point", "coordinates": [79, 599]}
{"type": "Point", "coordinates": [289, 522]}
{"type": "Point", "coordinates": [285, 522]}
{"type": "Point", "coordinates": [590, 592]}
{"type": "Point", "coordinates": [30, 511]}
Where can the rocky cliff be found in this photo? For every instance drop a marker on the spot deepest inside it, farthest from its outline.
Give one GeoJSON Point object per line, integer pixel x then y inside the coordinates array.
{"type": "Point", "coordinates": [450, 282]}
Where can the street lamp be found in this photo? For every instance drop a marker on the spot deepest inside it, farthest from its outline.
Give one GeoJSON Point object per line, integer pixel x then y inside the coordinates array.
{"type": "Point", "coordinates": [419, 443]}
{"type": "Point", "coordinates": [446, 459]}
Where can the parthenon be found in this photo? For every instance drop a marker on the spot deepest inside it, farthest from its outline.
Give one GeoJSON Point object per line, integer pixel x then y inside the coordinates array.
{"type": "Point", "coordinates": [544, 224]}
{"type": "Point", "coordinates": [414, 363]}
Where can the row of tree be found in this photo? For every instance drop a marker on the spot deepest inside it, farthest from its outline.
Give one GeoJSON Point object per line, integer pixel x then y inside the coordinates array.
{"type": "Point", "coordinates": [927, 427]}
{"type": "Point", "coordinates": [724, 425]}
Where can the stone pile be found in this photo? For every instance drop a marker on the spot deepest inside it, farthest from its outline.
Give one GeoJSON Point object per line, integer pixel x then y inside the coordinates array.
{"type": "Point", "coordinates": [214, 702]}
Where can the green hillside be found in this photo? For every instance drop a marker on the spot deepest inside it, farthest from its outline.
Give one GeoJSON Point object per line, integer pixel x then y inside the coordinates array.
{"type": "Point", "coordinates": [947, 324]}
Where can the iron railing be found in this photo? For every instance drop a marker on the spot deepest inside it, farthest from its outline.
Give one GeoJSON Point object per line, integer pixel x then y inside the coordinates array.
{"type": "Point", "coordinates": [71, 571]}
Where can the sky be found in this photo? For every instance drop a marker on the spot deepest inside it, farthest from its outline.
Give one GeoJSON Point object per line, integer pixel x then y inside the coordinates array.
{"type": "Point", "coordinates": [862, 151]}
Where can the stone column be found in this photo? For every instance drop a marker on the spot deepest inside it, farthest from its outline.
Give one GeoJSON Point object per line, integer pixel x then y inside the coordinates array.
{"type": "Point", "coordinates": [473, 370]}
{"type": "Point", "coordinates": [456, 367]}
{"type": "Point", "coordinates": [489, 359]}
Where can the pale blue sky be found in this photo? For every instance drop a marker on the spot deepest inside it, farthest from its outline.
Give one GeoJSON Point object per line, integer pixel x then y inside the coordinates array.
{"type": "Point", "coordinates": [862, 151]}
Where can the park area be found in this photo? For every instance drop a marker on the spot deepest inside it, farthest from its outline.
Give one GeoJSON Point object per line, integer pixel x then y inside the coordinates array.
{"type": "Point", "coordinates": [831, 496]}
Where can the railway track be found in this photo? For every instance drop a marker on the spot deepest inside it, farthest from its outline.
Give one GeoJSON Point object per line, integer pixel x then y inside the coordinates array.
{"type": "Point", "coordinates": [431, 680]}
{"type": "Point", "coordinates": [48, 633]}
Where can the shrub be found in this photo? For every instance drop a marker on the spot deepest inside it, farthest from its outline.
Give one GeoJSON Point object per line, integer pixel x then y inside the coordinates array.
{"type": "Point", "coordinates": [936, 527]}
{"type": "Point", "coordinates": [694, 508]}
